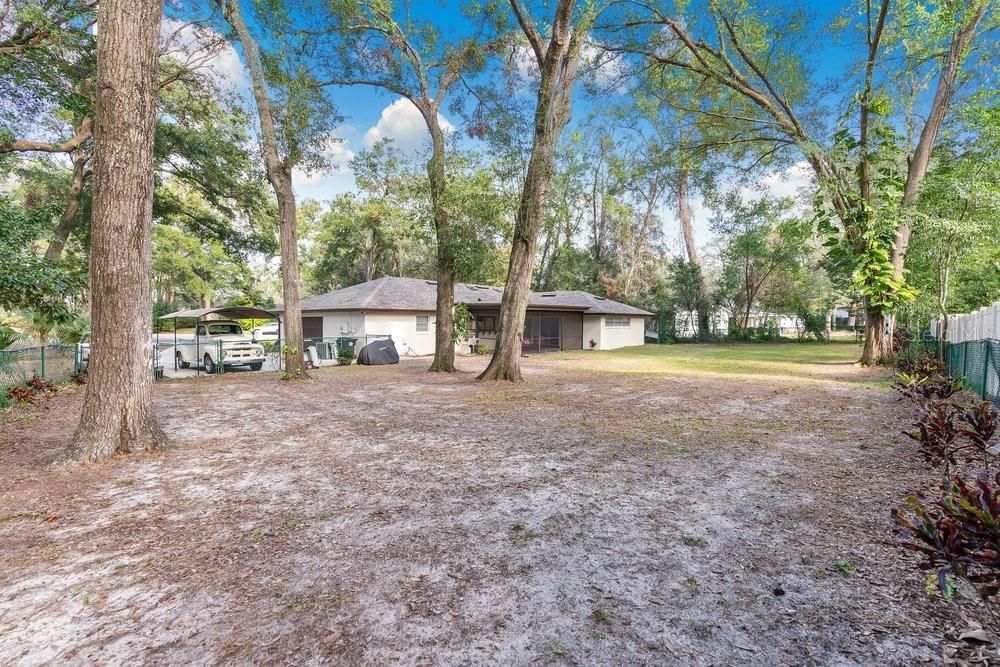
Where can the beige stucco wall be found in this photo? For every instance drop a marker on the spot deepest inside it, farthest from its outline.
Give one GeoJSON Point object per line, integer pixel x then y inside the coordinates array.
{"type": "Point", "coordinates": [402, 326]}
{"type": "Point", "coordinates": [343, 323]}
{"type": "Point", "coordinates": [615, 337]}
{"type": "Point", "coordinates": [592, 326]}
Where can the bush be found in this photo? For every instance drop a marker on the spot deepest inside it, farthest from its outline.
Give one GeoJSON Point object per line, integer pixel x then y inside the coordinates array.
{"type": "Point", "coordinates": [959, 534]}
{"type": "Point", "coordinates": [32, 390]}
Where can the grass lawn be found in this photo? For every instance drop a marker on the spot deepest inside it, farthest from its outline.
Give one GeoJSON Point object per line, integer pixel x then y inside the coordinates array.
{"type": "Point", "coordinates": [831, 361]}
{"type": "Point", "coordinates": [687, 505]}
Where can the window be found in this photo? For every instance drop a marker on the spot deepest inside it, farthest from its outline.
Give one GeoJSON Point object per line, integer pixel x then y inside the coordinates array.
{"type": "Point", "coordinates": [224, 329]}
{"type": "Point", "coordinates": [617, 320]}
{"type": "Point", "coordinates": [486, 324]}
{"type": "Point", "coordinates": [423, 325]}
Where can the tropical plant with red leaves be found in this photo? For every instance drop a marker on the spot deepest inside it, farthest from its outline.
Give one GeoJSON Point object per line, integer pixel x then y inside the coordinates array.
{"type": "Point", "coordinates": [936, 433]}
{"type": "Point", "coordinates": [959, 534]}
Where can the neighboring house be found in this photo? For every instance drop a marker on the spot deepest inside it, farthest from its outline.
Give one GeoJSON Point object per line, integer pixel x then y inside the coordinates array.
{"type": "Point", "coordinates": [404, 308]}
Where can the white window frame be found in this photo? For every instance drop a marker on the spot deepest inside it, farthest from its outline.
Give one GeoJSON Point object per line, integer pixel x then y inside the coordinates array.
{"type": "Point", "coordinates": [617, 321]}
{"type": "Point", "coordinates": [426, 324]}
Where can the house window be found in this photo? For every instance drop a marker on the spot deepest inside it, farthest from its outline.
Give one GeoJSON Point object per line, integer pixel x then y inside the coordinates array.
{"type": "Point", "coordinates": [423, 325]}
{"type": "Point", "coordinates": [486, 324]}
{"type": "Point", "coordinates": [617, 321]}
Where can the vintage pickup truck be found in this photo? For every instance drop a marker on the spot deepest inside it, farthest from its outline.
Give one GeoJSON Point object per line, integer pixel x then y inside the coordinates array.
{"type": "Point", "coordinates": [210, 337]}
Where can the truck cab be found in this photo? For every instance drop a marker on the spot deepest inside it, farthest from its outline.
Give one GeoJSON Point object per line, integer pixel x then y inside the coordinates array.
{"type": "Point", "coordinates": [220, 342]}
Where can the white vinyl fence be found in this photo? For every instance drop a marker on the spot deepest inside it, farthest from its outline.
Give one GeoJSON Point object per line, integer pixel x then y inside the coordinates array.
{"type": "Point", "coordinates": [983, 324]}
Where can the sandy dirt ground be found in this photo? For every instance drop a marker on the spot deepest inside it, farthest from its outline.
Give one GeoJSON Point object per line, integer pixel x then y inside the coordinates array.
{"type": "Point", "coordinates": [391, 516]}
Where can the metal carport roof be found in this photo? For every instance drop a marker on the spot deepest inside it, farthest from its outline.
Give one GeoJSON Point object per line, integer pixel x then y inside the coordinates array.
{"type": "Point", "coordinates": [237, 312]}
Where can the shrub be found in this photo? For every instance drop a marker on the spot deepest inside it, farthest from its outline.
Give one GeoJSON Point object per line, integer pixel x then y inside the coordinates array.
{"type": "Point", "coordinates": [927, 388]}
{"type": "Point", "coordinates": [981, 423]}
{"type": "Point", "coordinates": [959, 534]}
{"type": "Point", "coordinates": [32, 390]}
{"type": "Point", "coordinates": [481, 349]}
{"type": "Point", "coordinates": [936, 434]}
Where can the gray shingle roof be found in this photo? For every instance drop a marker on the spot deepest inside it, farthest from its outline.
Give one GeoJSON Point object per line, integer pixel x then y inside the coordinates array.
{"type": "Point", "coordinates": [415, 294]}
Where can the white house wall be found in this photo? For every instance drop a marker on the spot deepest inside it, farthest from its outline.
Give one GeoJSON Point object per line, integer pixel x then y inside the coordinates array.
{"type": "Point", "coordinates": [402, 326]}
{"type": "Point", "coordinates": [345, 323]}
{"type": "Point", "coordinates": [592, 327]}
{"type": "Point", "coordinates": [614, 337]}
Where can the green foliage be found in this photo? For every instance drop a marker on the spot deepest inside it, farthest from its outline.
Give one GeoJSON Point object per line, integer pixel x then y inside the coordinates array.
{"type": "Point", "coordinates": [72, 330]}
{"type": "Point", "coordinates": [463, 322]}
{"type": "Point", "coordinates": [8, 336]}
{"type": "Point", "coordinates": [27, 281]}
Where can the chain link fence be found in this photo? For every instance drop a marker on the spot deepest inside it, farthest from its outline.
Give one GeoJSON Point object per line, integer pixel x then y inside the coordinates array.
{"type": "Point", "coordinates": [978, 361]}
{"type": "Point", "coordinates": [52, 362]}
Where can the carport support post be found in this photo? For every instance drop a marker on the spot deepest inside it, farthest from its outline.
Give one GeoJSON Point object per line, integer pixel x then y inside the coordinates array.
{"type": "Point", "coordinates": [175, 343]}
{"type": "Point", "coordinates": [197, 347]}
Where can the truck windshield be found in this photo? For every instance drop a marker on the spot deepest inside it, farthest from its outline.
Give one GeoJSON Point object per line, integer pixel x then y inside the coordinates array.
{"type": "Point", "coordinates": [222, 329]}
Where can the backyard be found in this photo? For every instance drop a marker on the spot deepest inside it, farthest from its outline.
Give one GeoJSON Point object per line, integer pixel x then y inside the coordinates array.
{"type": "Point", "coordinates": [667, 504]}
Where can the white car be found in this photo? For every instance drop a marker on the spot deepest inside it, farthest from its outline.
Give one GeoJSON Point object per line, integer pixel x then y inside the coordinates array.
{"type": "Point", "coordinates": [237, 349]}
{"type": "Point", "coordinates": [265, 332]}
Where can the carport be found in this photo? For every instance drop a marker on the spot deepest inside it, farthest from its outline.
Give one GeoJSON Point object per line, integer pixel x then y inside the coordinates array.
{"type": "Point", "coordinates": [200, 315]}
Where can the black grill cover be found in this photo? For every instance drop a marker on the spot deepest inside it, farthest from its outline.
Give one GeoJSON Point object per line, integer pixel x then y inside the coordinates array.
{"type": "Point", "coordinates": [379, 353]}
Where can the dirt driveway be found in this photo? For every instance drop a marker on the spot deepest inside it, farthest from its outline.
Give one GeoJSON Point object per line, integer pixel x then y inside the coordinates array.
{"type": "Point", "coordinates": [391, 516]}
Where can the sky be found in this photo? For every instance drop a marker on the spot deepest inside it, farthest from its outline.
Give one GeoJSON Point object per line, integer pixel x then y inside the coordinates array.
{"type": "Point", "coordinates": [371, 114]}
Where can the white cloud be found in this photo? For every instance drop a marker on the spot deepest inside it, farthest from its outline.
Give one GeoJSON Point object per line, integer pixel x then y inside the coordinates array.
{"type": "Point", "coordinates": [596, 65]}
{"type": "Point", "coordinates": [338, 153]}
{"type": "Point", "coordinates": [204, 49]}
{"type": "Point", "coordinates": [402, 122]}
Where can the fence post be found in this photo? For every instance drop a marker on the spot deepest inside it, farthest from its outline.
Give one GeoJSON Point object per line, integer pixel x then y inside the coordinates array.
{"type": "Point", "coordinates": [43, 360]}
{"type": "Point", "coordinates": [986, 368]}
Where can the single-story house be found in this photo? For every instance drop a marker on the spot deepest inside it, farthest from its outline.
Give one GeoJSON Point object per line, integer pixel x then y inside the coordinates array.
{"type": "Point", "coordinates": [404, 308]}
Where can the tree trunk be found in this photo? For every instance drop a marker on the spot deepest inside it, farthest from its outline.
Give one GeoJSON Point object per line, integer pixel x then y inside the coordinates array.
{"type": "Point", "coordinates": [557, 61]}
{"type": "Point", "coordinates": [279, 174]}
{"type": "Point", "coordinates": [878, 338]}
{"type": "Point", "coordinates": [68, 221]}
{"type": "Point", "coordinates": [506, 361]}
{"type": "Point", "coordinates": [444, 333]}
{"type": "Point", "coordinates": [687, 230]}
{"type": "Point", "coordinates": [288, 236]}
{"type": "Point", "coordinates": [920, 161]}
{"type": "Point", "coordinates": [117, 414]}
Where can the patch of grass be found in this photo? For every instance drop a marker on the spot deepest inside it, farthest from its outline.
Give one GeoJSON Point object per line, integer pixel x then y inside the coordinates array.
{"type": "Point", "coordinates": [602, 615]}
{"type": "Point", "coordinates": [557, 648]}
{"type": "Point", "coordinates": [255, 534]}
{"type": "Point", "coordinates": [694, 541]}
{"type": "Point", "coordinates": [833, 361]}
{"type": "Point", "coordinates": [520, 535]}
{"type": "Point", "coordinates": [843, 566]}
{"type": "Point", "coordinates": [692, 584]}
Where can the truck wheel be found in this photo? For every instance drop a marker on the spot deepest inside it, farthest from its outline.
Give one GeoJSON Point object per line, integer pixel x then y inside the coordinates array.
{"type": "Point", "coordinates": [180, 361]}
{"type": "Point", "coordinates": [209, 364]}
{"type": "Point", "coordinates": [257, 365]}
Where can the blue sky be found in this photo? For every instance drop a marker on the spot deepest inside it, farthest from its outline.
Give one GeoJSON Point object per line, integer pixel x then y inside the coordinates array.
{"type": "Point", "coordinates": [371, 113]}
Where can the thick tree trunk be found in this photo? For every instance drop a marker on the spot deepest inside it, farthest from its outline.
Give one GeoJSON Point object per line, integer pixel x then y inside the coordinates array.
{"type": "Point", "coordinates": [288, 236]}
{"type": "Point", "coordinates": [69, 221]}
{"type": "Point", "coordinates": [557, 61]}
{"type": "Point", "coordinates": [878, 338]}
{"type": "Point", "coordinates": [279, 174]}
{"type": "Point", "coordinates": [444, 333]}
{"type": "Point", "coordinates": [117, 412]}
{"type": "Point", "coordinates": [505, 363]}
